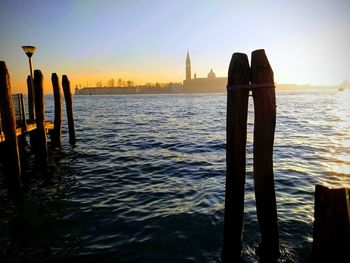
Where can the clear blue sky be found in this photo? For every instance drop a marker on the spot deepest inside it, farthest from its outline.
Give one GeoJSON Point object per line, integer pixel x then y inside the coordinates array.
{"type": "Point", "coordinates": [307, 41]}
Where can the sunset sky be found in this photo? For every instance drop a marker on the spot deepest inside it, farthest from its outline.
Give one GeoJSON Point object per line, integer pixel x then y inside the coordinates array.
{"type": "Point", "coordinates": [307, 41]}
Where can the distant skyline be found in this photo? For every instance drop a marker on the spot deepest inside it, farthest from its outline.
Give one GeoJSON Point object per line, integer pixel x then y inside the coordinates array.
{"type": "Point", "coordinates": [146, 41]}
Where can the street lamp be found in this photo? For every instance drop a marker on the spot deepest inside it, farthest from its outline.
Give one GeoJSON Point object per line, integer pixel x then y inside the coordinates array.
{"type": "Point", "coordinates": [29, 50]}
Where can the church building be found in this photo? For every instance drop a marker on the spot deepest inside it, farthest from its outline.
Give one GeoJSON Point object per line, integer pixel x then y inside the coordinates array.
{"type": "Point", "coordinates": [209, 84]}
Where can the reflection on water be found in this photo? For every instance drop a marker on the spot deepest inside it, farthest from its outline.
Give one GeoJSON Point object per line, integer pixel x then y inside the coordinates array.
{"type": "Point", "coordinates": [146, 182]}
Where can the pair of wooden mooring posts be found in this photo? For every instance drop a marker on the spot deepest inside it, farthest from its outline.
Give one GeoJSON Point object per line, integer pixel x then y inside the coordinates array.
{"type": "Point", "coordinates": [332, 206]}
{"type": "Point", "coordinates": [38, 135]}
{"type": "Point", "coordinates": [241, 80]}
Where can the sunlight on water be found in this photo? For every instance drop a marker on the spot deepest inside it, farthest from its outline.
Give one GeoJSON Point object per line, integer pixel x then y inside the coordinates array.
{"type": "Point", "coordinates": [341, 165]}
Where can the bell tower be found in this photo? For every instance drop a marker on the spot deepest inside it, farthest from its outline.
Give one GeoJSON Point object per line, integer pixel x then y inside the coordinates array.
{"type": "Point", "coordinates": [188, 66]}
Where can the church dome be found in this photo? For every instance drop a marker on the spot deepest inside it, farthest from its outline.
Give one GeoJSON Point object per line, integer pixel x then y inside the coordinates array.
{"type": "Point", "coordinates": [211, 74]}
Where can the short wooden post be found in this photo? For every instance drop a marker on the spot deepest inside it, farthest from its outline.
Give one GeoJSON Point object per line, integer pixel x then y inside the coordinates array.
{"type": "Point", "coordinates": [332, 225]}
{"type": "Point", "coordinates": [40, 133]}
{"type": "Point", "coordinates": [69, 108]}
{"type": "Point", "coordinates": [30, 98]}
{"type": "Point", "coordinates": [12, 162]}
{"type": "Point", "coordinates": [56, 133]}
{"type": "Point", "coordinates": [264, 129]}
{"type": "Point", "coordinates": [236, 136]}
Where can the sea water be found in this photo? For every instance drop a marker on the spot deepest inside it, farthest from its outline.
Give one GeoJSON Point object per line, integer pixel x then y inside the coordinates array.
{"type": "Point", "coordinates": [146, 180]}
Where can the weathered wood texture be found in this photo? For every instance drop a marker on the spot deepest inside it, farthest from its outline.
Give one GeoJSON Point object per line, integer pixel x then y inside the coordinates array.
{"type": "Point", "coordinates": [41, 151]}
{"type": "Point", "coordinates": [236, 132]}
{"type": "Point", "coordinates": [264, 129]}
{"type": "Point", "coordinates": [332, 225]}
{"type": "Point", "coordinates": [69, 108]}
{"type": "Point", "coordinates": [56, 133]}
{"type": "Point", "coordinates": [12, 158]}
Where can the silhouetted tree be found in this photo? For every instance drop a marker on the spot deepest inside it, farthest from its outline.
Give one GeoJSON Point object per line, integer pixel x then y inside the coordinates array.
{"type": "Point", "coordinates": [99, 84]}
{"type": "Point", "coordinates": [129, 83]}
{"type": "Point", "coordinates": [110, 83]}
{"type": "Point", "coordinates": [120, 82]}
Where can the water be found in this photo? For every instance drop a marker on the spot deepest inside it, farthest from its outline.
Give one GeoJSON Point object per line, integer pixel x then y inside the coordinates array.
{"type": "Point", "coordinates": [146, 180]}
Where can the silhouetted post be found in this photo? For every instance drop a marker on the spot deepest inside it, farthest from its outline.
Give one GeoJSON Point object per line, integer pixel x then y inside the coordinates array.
{"type": "Point", "coordinates": [22, 140]}
{"type": "Point", "coordinates": [40, 133]}
{"type": "Point", "coordinates": [23, 112]}
{"type": "Point", "coordinates": [264, 129]}
{"type": "Point", "coordinates": [69, 108]}
{"type": "Point", "coordinates": [332, 225]}
{"type": "Point", "coordinates": [30, 98]}
{"type": "Point", "coordinates": [12, 162]}
{"type": "Point", "coordinates": [236, 133]}
{"type": "Point", "coordinates": [56, 133]}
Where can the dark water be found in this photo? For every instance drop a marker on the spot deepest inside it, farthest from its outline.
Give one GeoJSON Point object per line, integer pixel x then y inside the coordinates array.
{"type": "Point", "coordinates": [146, 180]}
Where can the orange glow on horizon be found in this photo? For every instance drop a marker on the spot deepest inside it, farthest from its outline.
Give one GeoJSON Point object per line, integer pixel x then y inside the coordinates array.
{"type": "Point", "coordinates": [19, 84]}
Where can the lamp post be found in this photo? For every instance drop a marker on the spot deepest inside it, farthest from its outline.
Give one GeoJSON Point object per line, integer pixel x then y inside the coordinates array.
{"type": "Point", "coordinates": [29, 50]}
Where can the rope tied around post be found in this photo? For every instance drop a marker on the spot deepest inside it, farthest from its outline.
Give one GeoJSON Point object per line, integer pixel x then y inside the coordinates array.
{"type": "Point", "coordinates": [251, 86]}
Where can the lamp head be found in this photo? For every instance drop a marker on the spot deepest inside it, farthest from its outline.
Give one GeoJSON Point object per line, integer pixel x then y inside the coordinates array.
{"type": "Point", "coordinates": [29, 50]}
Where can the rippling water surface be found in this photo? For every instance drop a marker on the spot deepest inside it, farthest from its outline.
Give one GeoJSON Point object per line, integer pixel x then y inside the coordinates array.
{"type": "Point", "coordinates": [146, 180]}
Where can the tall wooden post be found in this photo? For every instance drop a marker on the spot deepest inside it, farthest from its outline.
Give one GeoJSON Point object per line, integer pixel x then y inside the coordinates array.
{"type": "Point", "coordinates": [236, 136]}
{"type": "Point", "coordinates": [30, 98]}
{"type": "Point", "coordinates": [264, 129]}
{"type": "Point", "coordinates": [69, 108]}
{"type": "Point", "coordinates": [56, 133]}
{"type": "Point", "coordinates": [12, 162]}
{"type": "Point", "coordinates": [40, 133]}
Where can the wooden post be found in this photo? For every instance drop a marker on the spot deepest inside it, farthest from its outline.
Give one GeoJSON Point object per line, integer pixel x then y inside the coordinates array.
{"type": "Point", "coordinates": [264, 129]}
{"type": "Point", "coordinates": [332, 225]}
{"type": "Point", "coordinates": [69, 108]}
{"type": "Point", "coordinates": [56, 133]}
{"type": "Point", "coordinates": [22, 141]}
{"type": "Point", "coordinates": [30, 98]}
{"type": "Point", "coordinates": [23, 112]}
{"type": "Point", "coordinates": [40, 133]}
{"type": "Point", "coordinates": [236, 133]}
{"type": "Point", "coordinates": [12, 162]}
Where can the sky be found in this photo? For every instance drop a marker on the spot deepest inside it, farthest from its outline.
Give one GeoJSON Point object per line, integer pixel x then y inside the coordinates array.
{"type": "Point", "coordinates": [306, 41]}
